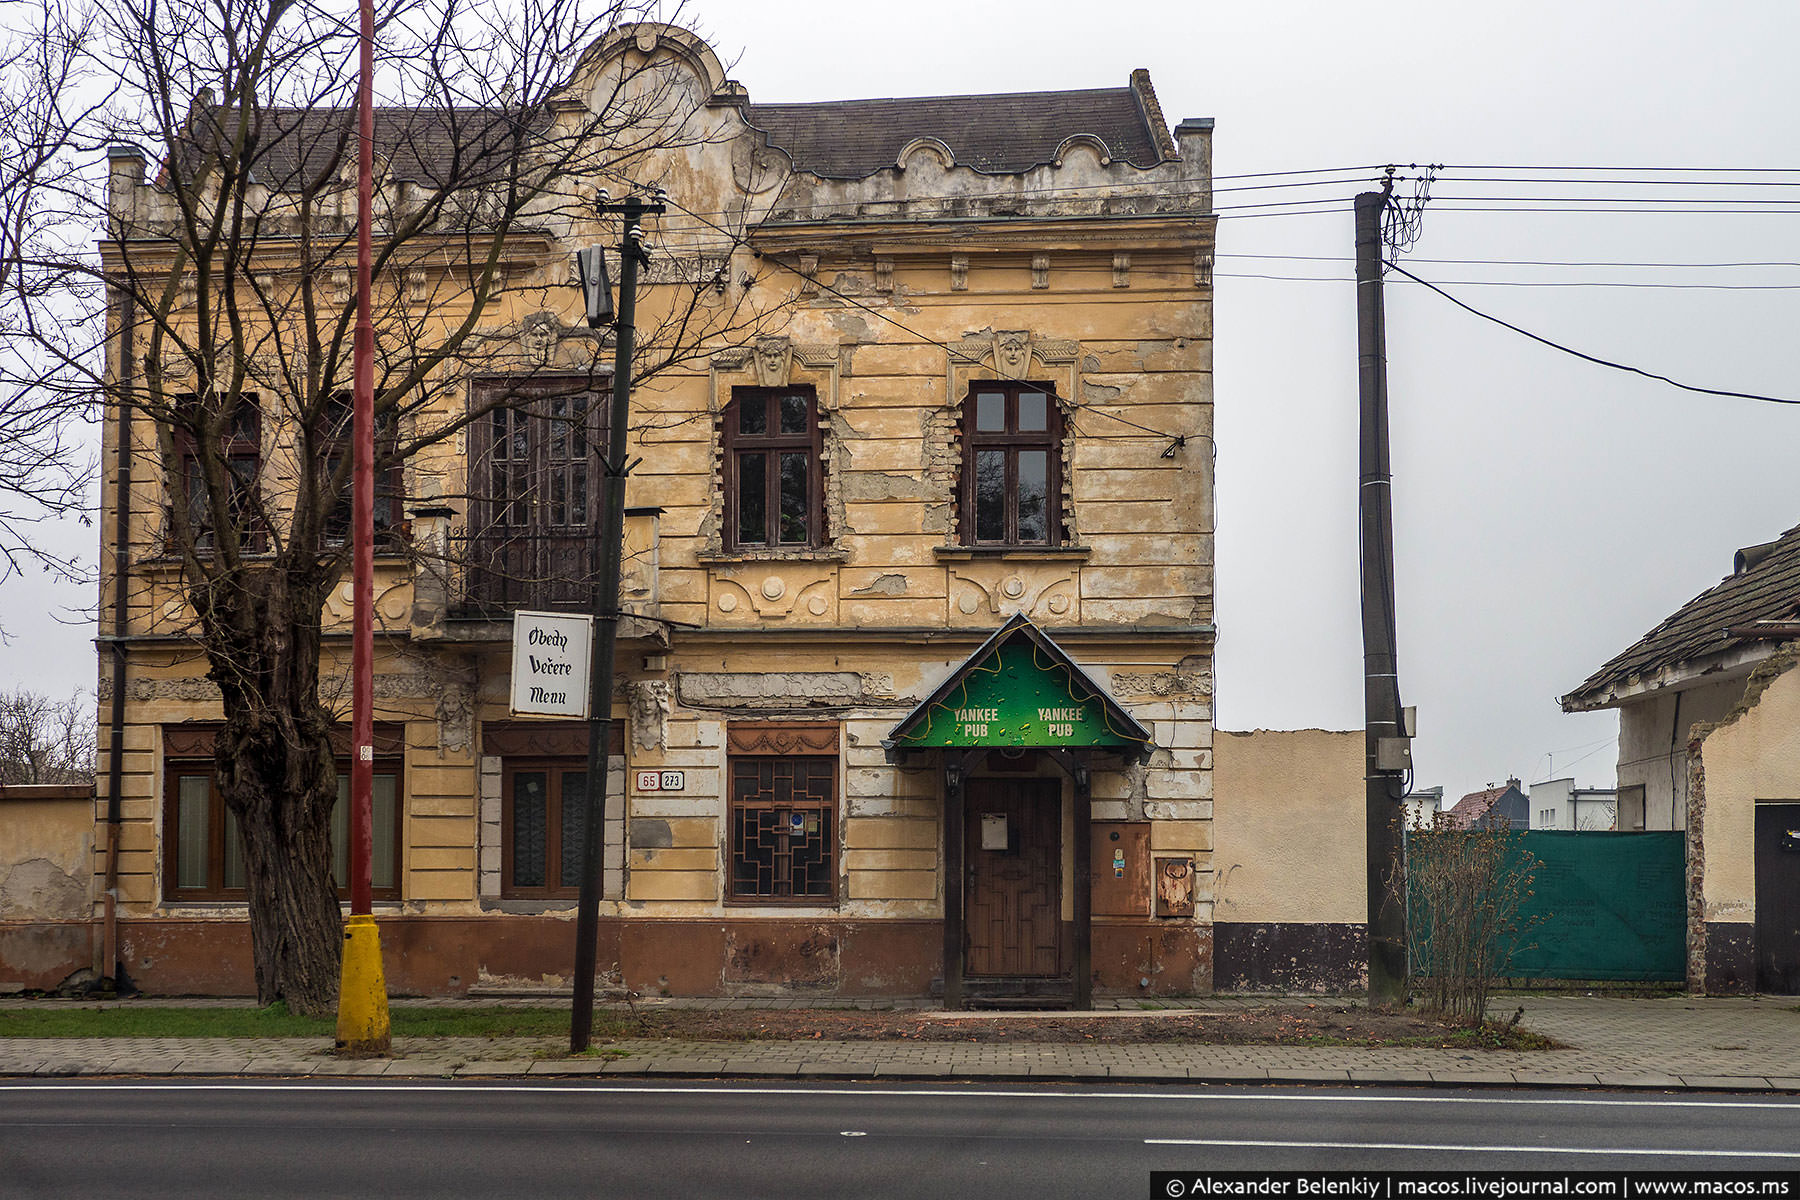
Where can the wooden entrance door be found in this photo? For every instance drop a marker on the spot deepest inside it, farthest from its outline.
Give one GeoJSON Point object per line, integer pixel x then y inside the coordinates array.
{"type": "Point", "coordinates": [1014, 903]}
{"type": "Point", "coordinates": [1778, 898]}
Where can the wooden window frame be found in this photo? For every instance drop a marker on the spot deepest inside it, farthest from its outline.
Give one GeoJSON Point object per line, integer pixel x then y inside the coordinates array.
{"type": "Point", "coordinates": [175, 769]}
{"type": "Point", "coordinates": [1011, 441]}
{"type": "Point", "coordinates": [554, 769]}
{"type": "Point", "coordinates": [737, 445]}
{"type": "Point", "coordinates": [530, 411]}
{"type": "Point", "coordinates": [334, 441]}
{"type": "Point", "coordinates": [241, 446]}
{"type": "Point", "coordinates": [749, 743]}
{"type": "Point", "coordinates": [540, 745]}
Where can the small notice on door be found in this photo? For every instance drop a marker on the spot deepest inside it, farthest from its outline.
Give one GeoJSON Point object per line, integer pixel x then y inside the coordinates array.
{"type": "Point", "coordinates": [993, 831]}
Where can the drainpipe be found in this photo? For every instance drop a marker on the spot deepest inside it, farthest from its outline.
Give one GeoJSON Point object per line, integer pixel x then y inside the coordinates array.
{"type": "Point", "coordinates": [115, 765]}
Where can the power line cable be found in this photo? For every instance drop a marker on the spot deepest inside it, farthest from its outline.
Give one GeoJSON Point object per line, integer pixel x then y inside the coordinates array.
{"type": "Point", "coordinates": [1603, 362]}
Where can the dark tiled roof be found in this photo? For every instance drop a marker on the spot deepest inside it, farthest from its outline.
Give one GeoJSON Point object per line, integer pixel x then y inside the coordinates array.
{"type": "Point", "coordinates": [429, 146]}
{"type": "Point", "coordinates": [1765, 587]}
{"type": "Point", "coordinates": [996, 134]}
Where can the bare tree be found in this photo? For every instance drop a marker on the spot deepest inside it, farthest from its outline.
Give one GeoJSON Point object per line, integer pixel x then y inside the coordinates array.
{"type": "Point", "coordinates": [44, 466]}
{"type": "Point", "coordinates": [44, 740]}
{"type": "Point", "coordinates": [229, 282]}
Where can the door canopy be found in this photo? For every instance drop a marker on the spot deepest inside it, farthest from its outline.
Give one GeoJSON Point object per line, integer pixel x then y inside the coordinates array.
{"type": "Point", "coordinates": [1020, 689]}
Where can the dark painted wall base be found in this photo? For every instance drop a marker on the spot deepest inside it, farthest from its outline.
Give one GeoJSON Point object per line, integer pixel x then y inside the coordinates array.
{"type": "Point", "coordinates": [1290, 957]}
{"type": "Point", "coordinates": [1730, 959]}
{"type": "Point", "coordinates": [449, 955]}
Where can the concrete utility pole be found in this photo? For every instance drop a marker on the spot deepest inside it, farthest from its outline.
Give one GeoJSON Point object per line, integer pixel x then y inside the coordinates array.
{"type": "Point", "coordinates": [606, 614]}
{"type": "Point", "coordinates": [362, 988]}
{"type": "Point", "coordinates": [1385, 741]}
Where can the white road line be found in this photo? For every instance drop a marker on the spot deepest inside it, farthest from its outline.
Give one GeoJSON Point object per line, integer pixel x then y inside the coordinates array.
{"type": "Point", "coordinates": [574, 1088]}
{"type": "Point", "coordinates": [1596, 1151]}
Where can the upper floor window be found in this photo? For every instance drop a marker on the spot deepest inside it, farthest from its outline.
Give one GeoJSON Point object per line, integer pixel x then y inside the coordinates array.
{"type": "Point", "coordinates": [240, 447]}
{"type": "Point", "coordinates": [335, 443]}
{"type": "Point", "coordinates": [1012, 466]}
{"type": "Point", "coordinates": [774, 472]}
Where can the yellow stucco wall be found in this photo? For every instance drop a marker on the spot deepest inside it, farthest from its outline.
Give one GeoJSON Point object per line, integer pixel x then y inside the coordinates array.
{"type": "Point", "coordinates": [1752, 755]}
{"type": "Point", "coordinates": [47, 846]}
{"type": "Point", "coordinates": [1288, 826]}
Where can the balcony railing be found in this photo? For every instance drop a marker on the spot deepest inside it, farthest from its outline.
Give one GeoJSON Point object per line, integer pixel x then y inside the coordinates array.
{"type": "Point", "coordinates": [495, 572]}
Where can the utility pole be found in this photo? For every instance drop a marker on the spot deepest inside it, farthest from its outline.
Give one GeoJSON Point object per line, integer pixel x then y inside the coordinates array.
{"type": "Point", "coordinates": [362, 988]}
{"type": "Point", "coordinates": [632, 254]}
{"type": "Point", "coordinates": [1385, 740]}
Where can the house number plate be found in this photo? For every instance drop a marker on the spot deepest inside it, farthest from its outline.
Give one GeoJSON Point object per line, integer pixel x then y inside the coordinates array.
{"type": "Point", "coordinates": [661, 781]}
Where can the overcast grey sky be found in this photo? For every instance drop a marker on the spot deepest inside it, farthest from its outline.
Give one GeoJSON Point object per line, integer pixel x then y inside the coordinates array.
{"type": "Point", "coordinates": [1547, 512]}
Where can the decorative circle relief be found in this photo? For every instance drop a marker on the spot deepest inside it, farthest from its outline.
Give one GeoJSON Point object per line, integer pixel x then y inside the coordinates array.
{"type": "Point", "coordinates": [727, 602]}
{"type": "Point", "coordinates": [816, 606]}
{"type": "Point", "coordinates": [1013, 586]}
{"type": "Point", "coordinates": [772, 588]}
{"type": "Point", "coordinates": [1059, 604]}
{"type": "Point", "coordinates": [968, 604]}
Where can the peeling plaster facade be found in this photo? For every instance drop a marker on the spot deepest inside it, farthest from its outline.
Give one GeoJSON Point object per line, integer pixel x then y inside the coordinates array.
{"type": "Point", "coordinates": [892, 296]}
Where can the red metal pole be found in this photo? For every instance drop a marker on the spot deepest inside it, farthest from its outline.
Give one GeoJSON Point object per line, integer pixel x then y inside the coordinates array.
{"type": "Point", "coordinates": [362, 512]}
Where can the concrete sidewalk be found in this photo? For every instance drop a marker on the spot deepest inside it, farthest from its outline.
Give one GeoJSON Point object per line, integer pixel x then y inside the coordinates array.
{"type": "Point", "coordinates": [1675, 1043]}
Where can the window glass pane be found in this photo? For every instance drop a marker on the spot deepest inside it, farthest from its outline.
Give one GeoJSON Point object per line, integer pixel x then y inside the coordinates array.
{"type": "Point", "coordinates": [793, 497]}
{"type": "Point", "coordinates": [1034, 412]}
{"type": "Point", "coordinates": [990, 412]}
{"type": "Point", "coordinates": [529, 829]}
{"type": "Point", "coordinates": [753, 415]}
{"type": "Point", "coordinates": [381, 861]}
{"type": "Point", "coordinates": [793, 414]}
{"type": "Point", "coordinates": [499, 431]}
{"type": "Point", "coordinates": [578, 500]}
{"type": "Point", "coordinates": [559, 427]}
{"type": "Point", "coordinates": [192, 813]}
{"type": "Point", "coordinates": [581, 420]}
{"type": "Point", "coordinates": [234, 853]}
{"type": "Point", "coordinates": [559, 498]}
{"type": "Point", "coordinates": [752, 500]}
{"type": "Point", "coordinates": [990, 495]}
{"type": "Point", "coordinates": [1034, 482]}
{"type": "Point", "coordinates": [574, 821]}
{"type": "Point", "coordinates": [340, 832]}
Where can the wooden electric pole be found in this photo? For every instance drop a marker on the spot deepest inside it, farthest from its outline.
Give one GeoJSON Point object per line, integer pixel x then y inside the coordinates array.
{"type": "Point", "coordinates": [1384, 739]}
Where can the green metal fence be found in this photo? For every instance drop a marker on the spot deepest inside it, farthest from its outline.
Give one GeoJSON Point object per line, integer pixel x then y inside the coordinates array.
{"type": "Point", "coordinates": [1605, 907]}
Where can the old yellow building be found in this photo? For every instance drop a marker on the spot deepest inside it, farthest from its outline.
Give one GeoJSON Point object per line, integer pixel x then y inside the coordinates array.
{"type": "Point", "coordinates": [916, 684]}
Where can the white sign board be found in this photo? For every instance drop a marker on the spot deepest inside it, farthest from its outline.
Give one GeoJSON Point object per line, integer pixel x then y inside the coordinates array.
{"type": "Point", "coordinates": [550, 664]}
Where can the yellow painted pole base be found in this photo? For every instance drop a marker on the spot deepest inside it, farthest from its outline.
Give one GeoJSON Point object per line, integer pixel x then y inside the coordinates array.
{"type": "Point", "coordinates": [362, 1026]}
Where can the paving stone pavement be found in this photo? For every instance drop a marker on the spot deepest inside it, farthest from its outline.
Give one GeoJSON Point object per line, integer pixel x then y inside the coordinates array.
{"type": "Point", "coordinates": [1679, 1042]}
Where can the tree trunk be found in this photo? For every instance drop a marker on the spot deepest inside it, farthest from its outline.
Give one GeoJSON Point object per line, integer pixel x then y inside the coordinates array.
{"type": "Point", "coordinates": [277, 773]}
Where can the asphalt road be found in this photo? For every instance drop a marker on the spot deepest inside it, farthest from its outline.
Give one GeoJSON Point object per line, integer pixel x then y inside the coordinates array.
{"type": "Point", "coordinates": [272, 1138]}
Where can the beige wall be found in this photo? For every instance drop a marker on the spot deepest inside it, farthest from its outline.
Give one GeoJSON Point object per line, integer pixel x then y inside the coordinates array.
{"type": "Point", "coordinates": [1288, 826]}
{"type": "Point", "coordinates": [1752, 755]}
{"type": "Point", "coordinates": [48, 835]}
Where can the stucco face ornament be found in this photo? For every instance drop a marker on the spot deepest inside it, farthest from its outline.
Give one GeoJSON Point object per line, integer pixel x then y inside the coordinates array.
{"type": "Point", "coordinates": [771, 358]}
{"type": "Point", "coordinates": [1012, 354]}
{"type": "Point", "coordinates": [538, 337]}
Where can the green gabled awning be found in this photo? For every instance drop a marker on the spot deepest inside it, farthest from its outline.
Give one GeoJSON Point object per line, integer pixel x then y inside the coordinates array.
{"type": "Point", "coordinates": [1020, 689]}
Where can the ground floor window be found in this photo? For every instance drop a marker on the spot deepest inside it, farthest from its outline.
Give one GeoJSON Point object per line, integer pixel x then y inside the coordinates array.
{"type": "Point", "coordinates": [204, 850]}
{"type": "Point", "coordinates": [544, 818]}
{"type": "Point", "coordinates": [783, 819]}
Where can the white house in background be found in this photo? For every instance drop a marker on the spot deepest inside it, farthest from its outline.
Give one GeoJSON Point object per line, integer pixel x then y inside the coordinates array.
{"type": "Point", "coordinates": [1559, 804]}
{"type": "Point", "coordinates": [1422, 806]}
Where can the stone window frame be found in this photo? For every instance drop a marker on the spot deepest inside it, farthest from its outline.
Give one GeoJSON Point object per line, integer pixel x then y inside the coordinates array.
{"type": "Point", "coordinates": [805, 364]}
{"type": "Point", "coordinates": [759, 741]}
{"type": "Point", "coordinates": [509, 743]}
{"type": "Point", "coordinates": [977, 359]}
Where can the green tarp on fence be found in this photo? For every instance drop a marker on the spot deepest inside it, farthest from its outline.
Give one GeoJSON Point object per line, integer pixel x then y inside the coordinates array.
{"type": "Point", "coordinates": [1613, 907]}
